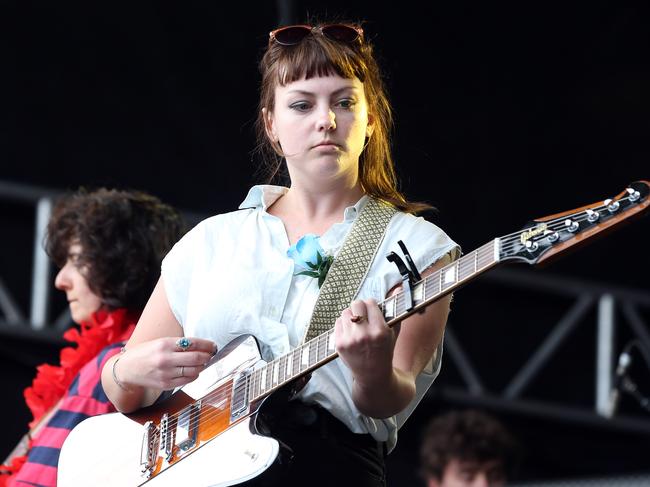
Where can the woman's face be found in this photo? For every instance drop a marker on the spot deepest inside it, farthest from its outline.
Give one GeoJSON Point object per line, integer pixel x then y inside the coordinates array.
{"type": "Point", "coordinates": [321, 124]}
{"type": "Point", "coordinates": [70, 279]}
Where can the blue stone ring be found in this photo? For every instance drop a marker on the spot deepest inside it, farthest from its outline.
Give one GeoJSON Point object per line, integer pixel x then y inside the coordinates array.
{"type": "Point", "coordinates": [183, 343]}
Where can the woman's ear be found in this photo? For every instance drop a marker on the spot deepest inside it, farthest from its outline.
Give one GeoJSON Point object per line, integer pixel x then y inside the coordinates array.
{"type": "Point", "coordinates": [370, 128]}
{"type": "Point", "coordinates": [269, 126]}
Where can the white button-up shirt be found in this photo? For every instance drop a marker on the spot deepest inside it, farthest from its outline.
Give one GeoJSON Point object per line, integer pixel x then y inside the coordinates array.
{"type": "Point", "coordinates": [230, 276]}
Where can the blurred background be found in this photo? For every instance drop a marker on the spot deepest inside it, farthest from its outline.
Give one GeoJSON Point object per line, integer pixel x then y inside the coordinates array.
{"type": "Point", "coordinates": [505, 112]}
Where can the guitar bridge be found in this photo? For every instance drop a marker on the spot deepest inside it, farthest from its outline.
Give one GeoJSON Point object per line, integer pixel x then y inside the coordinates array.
{"type": "Point", "coordinates": [166, 438]}
{"type": "Point", "coordinates": [148, 453]}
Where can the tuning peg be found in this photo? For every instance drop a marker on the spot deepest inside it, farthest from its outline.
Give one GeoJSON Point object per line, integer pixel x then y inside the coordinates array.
{"type": "Point", "coordinates": [592, 216]}
{"type": "Point", "coordinates": [571, 225]}
{"type": "Point", "coordinates": [531, 246]}
{"type": "Point", "coordinates": [553, 237]}
{"type": "Point", "coordinates": [633, 194]}
{"type": "Point", "coordinates": [612, 205]}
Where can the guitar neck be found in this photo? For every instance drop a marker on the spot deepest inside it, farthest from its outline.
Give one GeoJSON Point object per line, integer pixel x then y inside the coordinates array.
{"type": "Point", "coordinates": [321, 350]}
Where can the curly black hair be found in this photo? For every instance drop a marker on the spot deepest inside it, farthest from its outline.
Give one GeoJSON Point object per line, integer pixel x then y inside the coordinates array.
{"type": "Point", "coordinates": [467, 436]}
{"type": "Point", "coordinates": [123, 235]}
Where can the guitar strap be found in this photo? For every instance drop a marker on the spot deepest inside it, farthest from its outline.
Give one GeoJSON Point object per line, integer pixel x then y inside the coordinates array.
{"type": "Point", "coordinates": [350, 266]}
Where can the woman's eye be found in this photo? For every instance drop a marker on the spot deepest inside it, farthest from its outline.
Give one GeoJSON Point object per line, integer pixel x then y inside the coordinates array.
{"type": "Point", "coordinates": [301, 106]}
{"type": "Point", "coordinates": [346, 103]}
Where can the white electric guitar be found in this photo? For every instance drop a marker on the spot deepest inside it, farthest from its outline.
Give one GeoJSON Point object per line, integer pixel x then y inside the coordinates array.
{"type": "Point", "coordinates": [213, 431]}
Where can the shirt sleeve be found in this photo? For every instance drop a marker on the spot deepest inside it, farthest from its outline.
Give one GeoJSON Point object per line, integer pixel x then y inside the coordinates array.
{"type": "Point", "coordinates": [425, 242]}
{"type": "Point", "coordinates": [177, 271]}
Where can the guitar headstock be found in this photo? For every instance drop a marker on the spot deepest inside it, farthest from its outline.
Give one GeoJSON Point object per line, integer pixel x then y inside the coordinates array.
{"type": "Point", "coordinates": [545, 238]}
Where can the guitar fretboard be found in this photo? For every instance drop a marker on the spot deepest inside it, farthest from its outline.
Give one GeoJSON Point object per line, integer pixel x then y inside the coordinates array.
{"type": "Point", "coordinates": [320, 350]}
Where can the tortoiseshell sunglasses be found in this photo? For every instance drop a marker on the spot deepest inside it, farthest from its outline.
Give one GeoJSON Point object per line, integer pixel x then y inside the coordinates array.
{"type": "Point", "coordinates": [291, 35]}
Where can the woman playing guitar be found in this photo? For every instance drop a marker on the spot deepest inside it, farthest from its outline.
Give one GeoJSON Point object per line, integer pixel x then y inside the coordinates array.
{"type": "Point", "coordinates": [324, 120]}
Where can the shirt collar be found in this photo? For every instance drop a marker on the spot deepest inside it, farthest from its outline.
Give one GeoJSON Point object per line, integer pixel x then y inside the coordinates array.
{"type": "Point", "coordinates": [264, 195]}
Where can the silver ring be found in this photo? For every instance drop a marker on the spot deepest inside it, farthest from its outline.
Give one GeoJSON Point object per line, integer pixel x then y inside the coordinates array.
{"type": "Point", "coordinates": [183, 343]}
{"type": "Point", "coordinates": [182, 371]}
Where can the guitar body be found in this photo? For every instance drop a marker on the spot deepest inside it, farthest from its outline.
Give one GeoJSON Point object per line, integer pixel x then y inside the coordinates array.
{"type": "Point", "coordinates": [232, 458]}
{"type": "Point", "coordinates": [110, 450]}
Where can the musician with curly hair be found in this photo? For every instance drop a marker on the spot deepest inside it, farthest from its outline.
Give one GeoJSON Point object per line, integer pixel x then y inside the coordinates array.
{"type": "Point", "coordinates": [109, 245]}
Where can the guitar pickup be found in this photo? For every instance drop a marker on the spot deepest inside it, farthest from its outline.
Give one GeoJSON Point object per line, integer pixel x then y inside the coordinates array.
{"type": "Point", "coordinates": [187, 427]}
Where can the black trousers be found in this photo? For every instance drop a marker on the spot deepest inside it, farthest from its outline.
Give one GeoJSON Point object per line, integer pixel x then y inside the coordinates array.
{"type": "Point", "coordinates": [319, 450]}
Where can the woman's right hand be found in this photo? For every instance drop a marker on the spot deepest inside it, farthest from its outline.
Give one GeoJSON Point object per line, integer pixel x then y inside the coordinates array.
{"type": "Point", "coordinates": [162, 363]}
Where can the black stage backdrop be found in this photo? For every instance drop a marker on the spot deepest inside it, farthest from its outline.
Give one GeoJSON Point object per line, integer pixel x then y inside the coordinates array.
{"type": "Point", "coordinates": [504, 112]}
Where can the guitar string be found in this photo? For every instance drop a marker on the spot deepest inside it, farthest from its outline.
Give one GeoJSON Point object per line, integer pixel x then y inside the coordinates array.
{"type": "Point", "coordinates": [511, 241]}
{"type": "Point", "coordinates": [581, 213]}
{"type": "Point", "coordinates": [221, 393]}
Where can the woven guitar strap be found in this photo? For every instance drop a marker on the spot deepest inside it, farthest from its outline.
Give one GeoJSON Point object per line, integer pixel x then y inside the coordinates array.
{"type": "Point", "coordinates": [350, 266]}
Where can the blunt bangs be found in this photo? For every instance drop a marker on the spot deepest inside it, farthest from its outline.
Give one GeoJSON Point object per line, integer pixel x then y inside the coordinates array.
{"type": "Point", "coordinates": [318, 56]}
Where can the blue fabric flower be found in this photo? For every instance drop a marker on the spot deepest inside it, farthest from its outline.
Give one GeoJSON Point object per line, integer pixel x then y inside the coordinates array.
{"type": "Point", "coordinates": [308, 254]}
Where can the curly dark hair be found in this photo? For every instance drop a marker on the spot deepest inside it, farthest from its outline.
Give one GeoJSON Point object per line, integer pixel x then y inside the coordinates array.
{"type": "Point", "coordinates": [468, 436]}
{"type": "Point", "coordinates": [123, 235]}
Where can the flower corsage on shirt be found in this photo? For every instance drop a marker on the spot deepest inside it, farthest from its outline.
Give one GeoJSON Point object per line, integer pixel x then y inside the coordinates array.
{"type": "Point", "coordinates": [308, 254]}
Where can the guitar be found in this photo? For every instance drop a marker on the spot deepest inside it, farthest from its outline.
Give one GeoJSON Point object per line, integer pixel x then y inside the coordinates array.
{"type": "Point", "coordinates": [217, 421]}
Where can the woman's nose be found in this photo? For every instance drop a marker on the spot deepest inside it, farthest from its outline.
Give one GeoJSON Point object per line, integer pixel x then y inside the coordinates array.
{"type": "Point", "coordinates": [62, 280]}
{"type": "Point", "coordinates": [326, 121]}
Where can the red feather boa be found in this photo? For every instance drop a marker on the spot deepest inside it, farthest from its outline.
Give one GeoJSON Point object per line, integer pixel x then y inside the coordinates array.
{"type": "Point", "coordinates": [51, 382]}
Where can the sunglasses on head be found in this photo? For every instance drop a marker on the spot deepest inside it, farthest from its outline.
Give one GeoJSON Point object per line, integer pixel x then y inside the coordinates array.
{"type": "Point", "coordinates": [294, 34]}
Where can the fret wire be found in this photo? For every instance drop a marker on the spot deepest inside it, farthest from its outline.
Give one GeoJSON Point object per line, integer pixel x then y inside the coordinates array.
{"type": "Point", "coordinates": [462, 269]}
{"type": "Point", "coordinates": [292, 369]}
{"type": "Point", "coordinates": [326, 349]}
{"type": "Point", "coordinates": [424, 290]}
{"type": "Point", "coordinates": [297, 357]}
{"type": "Point", "coordinates": [306, 352]}
{"type": "Point", "coordinates": [326, 342]}
{"type": "Point", "coordinates": [256, 387]}
{"type": "Point", "coordinates": [468, 262]}
{"type": "Point", "coordinates": [383, 306]}
{"type": "Point", "coordinates": [301, 366]}
{"type": "Point", "coordinates": [399, 304]}
{"type": "Point", "coordinates": [311, 357]}
{"type": "Point", "coordinates": [282, 363]}
{"type": "Point", "coordinates": [330, 336]}
{"type": "Point", "coordinates": [428, 292]}
{"type": "Point", "coordinates": [435, 283]}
